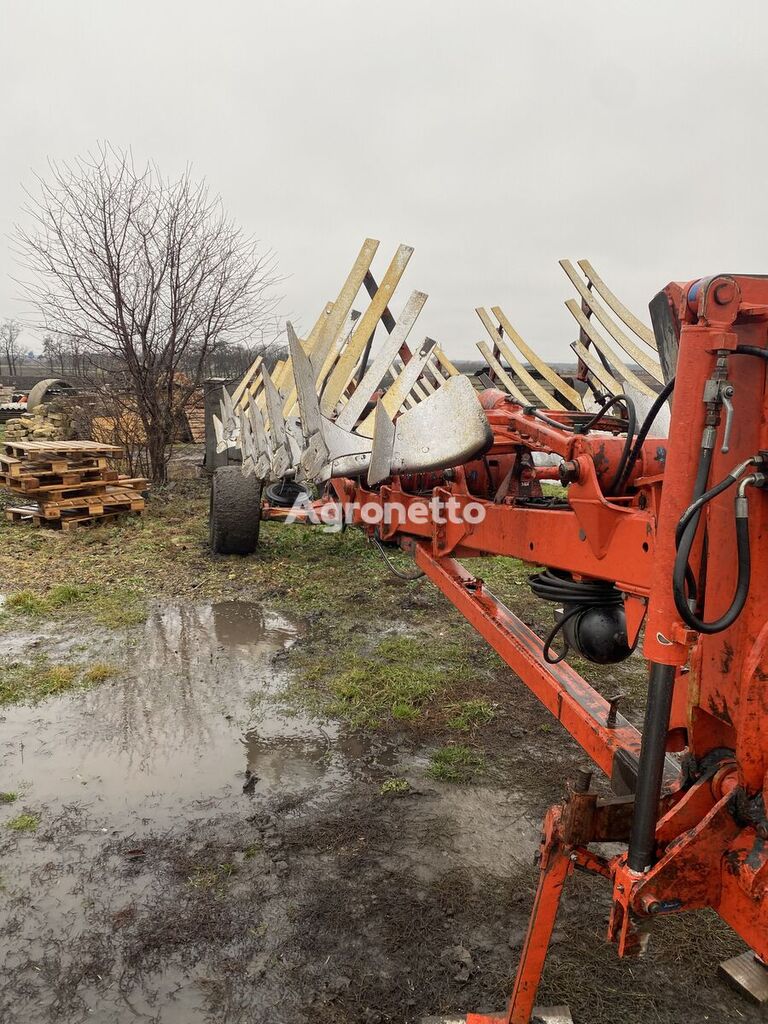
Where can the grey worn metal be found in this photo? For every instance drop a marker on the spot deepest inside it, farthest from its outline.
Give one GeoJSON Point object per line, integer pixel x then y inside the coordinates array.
{"type": "Point", "coordinates": [315, 453]}
{"type": "Point", "coordinates": [383, 445]}
{"type": "Point", "coordinates": [228, 429]}
{"type": "Point", "coordinates": [376, 372]}
{"type": "Point", "coordinates": [446, 429]}
{"type": "Point", "coordinates": [263, 454]}
{"type": "Point", "coordinates": [211, 391]}
{"type": "Point", "coordinates": [748, 975]}
{"type": "Point", "coordinates": [280, 455]}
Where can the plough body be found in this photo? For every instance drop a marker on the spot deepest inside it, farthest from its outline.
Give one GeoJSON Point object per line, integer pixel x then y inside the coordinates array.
{"type": "Point", "coordinates": [647, 539]}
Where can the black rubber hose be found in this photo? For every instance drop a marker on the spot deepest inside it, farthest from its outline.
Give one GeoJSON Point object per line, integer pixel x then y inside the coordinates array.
{"type": "Point", "coordinates": [699, 504]}
{"type": "Point", "coordinates": [650, 772]}
{"type": "Point", "coordinates": [742, 585]}
{"type": "Point", "coordinates": [553, 423]}
{"type": "Point", "coordinates": [702, 475]}
{"type": "Point", "coordinates": [631, 424]}
{"type": "Point", "coordinates": [550, 637]}
{"type": "Point", "coordinates": [595, 419]}
{"type": "Point", "coordinates": [645, 429]}
{"type": "Point", "coordinates": [750, 350]}
{"type": "Point", "coordinates": [614, 400]}
{"type": "Point", "coordinates": [552, 586]}
{"type": "Point", "coordinates": [583, 428]}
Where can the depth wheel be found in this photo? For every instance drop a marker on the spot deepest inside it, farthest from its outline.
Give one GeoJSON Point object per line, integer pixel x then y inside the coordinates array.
{"type": "Point", "coordinates": [235, 512]}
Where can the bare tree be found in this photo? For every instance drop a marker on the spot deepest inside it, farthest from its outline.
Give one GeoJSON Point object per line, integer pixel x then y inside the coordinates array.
{"type": "Point", "coordinates": [9, 340]}
{"type": "Point", "coordinates": [53, 353]}
{"type": "Point", "coordinates": [149, 275]}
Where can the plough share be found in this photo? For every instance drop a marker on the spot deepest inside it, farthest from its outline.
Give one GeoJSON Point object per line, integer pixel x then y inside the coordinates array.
{"type": "Point", "coordinates": [659, 541]}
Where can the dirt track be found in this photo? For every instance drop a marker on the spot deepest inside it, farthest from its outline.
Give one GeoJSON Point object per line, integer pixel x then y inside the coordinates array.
{"type": "Point", "coordinates": [209, 850]}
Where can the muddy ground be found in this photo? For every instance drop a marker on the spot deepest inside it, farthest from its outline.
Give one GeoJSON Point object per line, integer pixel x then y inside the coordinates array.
{"type": "Point", "coordinates": [236, 805]}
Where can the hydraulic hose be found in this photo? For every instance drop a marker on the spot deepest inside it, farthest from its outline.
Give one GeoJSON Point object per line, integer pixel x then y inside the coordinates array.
{"type": "Point", "coordinates": [562, 588]}
{"type": "Point", "coordinates": [697, 505]}
{"type": "Point", "coordinates": [575, 428]}
{"type": "Point", "coordinates": [750, 350]}
{"type": "Point", "coordinates": [631, 424]}
{"type": "Point", "coordinates": [614, 400]}
{"type": "Point", "coordinates": [687, 532]}
{"type": "Point", "coordinates": [643, 432]}
{"type": "Point", "coordinates": [650, 772]}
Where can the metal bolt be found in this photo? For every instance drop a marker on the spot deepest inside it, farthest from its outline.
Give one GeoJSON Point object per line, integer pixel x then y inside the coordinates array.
{"type": "Point", "coordinates": [724, 293]}
{"type": "Point", "coordinates": [650, 904]}
{"type": "Point", "coordinates": [613, 710]}
{"type": "Point", "coordinates": [568, 472]}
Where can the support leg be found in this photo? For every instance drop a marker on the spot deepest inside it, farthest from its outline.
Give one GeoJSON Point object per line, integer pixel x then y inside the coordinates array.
{"type": "Point", "coordinates": [555, 867]}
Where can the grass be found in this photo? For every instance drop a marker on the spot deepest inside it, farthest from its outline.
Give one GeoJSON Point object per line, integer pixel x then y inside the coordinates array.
{"type": "Point", "coordinates": [396, 680]}
{"type": "Point", "coordinates": [211, 878]}
{"type": "Point", "coordinates": [470, 714]}
{"type": "Point", "coordinates": [455, 764]}
{"type": "Point", "coordinates": [8, 797]}
{"type": "Point", "coordinates": [36, 680]}
{"type": "Point", "coordinates": [24, 822]}
{"type": "Point", "coordinates": [336, 584]}
{"type": "Point", "coordinates": [115, 607]}
{"type": "Point", "coordinates": [395, 787]}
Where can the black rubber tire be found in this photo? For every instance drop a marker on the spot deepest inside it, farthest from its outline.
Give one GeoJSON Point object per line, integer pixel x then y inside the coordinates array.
{"type": "Point", "coordinates": [285, 493]}
{"type": "Point", "coordinates": [235, 512]}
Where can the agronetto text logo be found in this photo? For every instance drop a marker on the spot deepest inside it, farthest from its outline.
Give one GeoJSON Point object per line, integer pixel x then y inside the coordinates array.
{"type": "Point", "coordinates": [334, 516]}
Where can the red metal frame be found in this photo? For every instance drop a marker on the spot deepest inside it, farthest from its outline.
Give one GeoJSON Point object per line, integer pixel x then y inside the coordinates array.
{"type": "Point", "coordinates": [712, 827]}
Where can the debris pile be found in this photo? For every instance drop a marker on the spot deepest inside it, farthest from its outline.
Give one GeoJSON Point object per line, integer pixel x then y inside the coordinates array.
{"type": "Point", "coordinates": [67, 483]}
{"type": "Point", "coordinates": [53, 421]}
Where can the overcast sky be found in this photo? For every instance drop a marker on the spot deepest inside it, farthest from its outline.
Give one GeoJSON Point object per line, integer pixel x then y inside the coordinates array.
{"type": "Point", "coordinates": [494, 137]}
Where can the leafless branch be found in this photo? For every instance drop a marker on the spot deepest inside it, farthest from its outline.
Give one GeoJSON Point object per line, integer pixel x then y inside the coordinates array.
{"type": "Point", "coordinates": [149, 277]}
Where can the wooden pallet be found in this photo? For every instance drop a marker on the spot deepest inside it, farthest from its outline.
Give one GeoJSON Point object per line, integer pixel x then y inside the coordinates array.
{"type": "Point", "coordinates": [70, 482]}
{"type": "Point", "coordinates": [30, 514]}
{"type": "Point", "coordinates": [31, 480]}
{"type": "Point", "coordinates": [12, 467]}
{"type": "Point", "coordinates": [53, 491]}
{"type": "Point", "coordinates": [60, 449]}
{"type": "Point", "coordinates": [95, 504]}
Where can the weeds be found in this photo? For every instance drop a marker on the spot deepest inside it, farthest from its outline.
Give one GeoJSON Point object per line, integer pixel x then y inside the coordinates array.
{"type": "Point", "coordinates": [98, 673]}
{"type": "Point", "coordinates": [23, 822]}
{"type": "Point", "coordinates": [111, 607]}
{"type": "Point", "coordinates": [396, 680]}
{"type": "Point", "coordinates": [8, 798]}
{"type": "Point", "coordinates": [470, 714]}
{"type": "Point", "coordinates": [211, 878]}
{"type": "Point", "coordinates": [455, 764]}
{"type": "Point", "coordinates": [38, 679]}
{"type": "Point", "coordinates": [395, 787]}
{"type": "Point", "coordinates": [25, 602]}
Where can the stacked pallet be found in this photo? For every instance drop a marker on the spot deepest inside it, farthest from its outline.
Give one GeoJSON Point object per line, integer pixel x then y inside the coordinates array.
{"type": "Point", "coordinates": [67, 484]}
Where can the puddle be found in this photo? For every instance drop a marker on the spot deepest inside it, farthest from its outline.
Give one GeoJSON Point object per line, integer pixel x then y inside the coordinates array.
{"type": "Point", "coordinates": [195, 706]}
{"type": "Point", "coordinates": [173, 878]}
